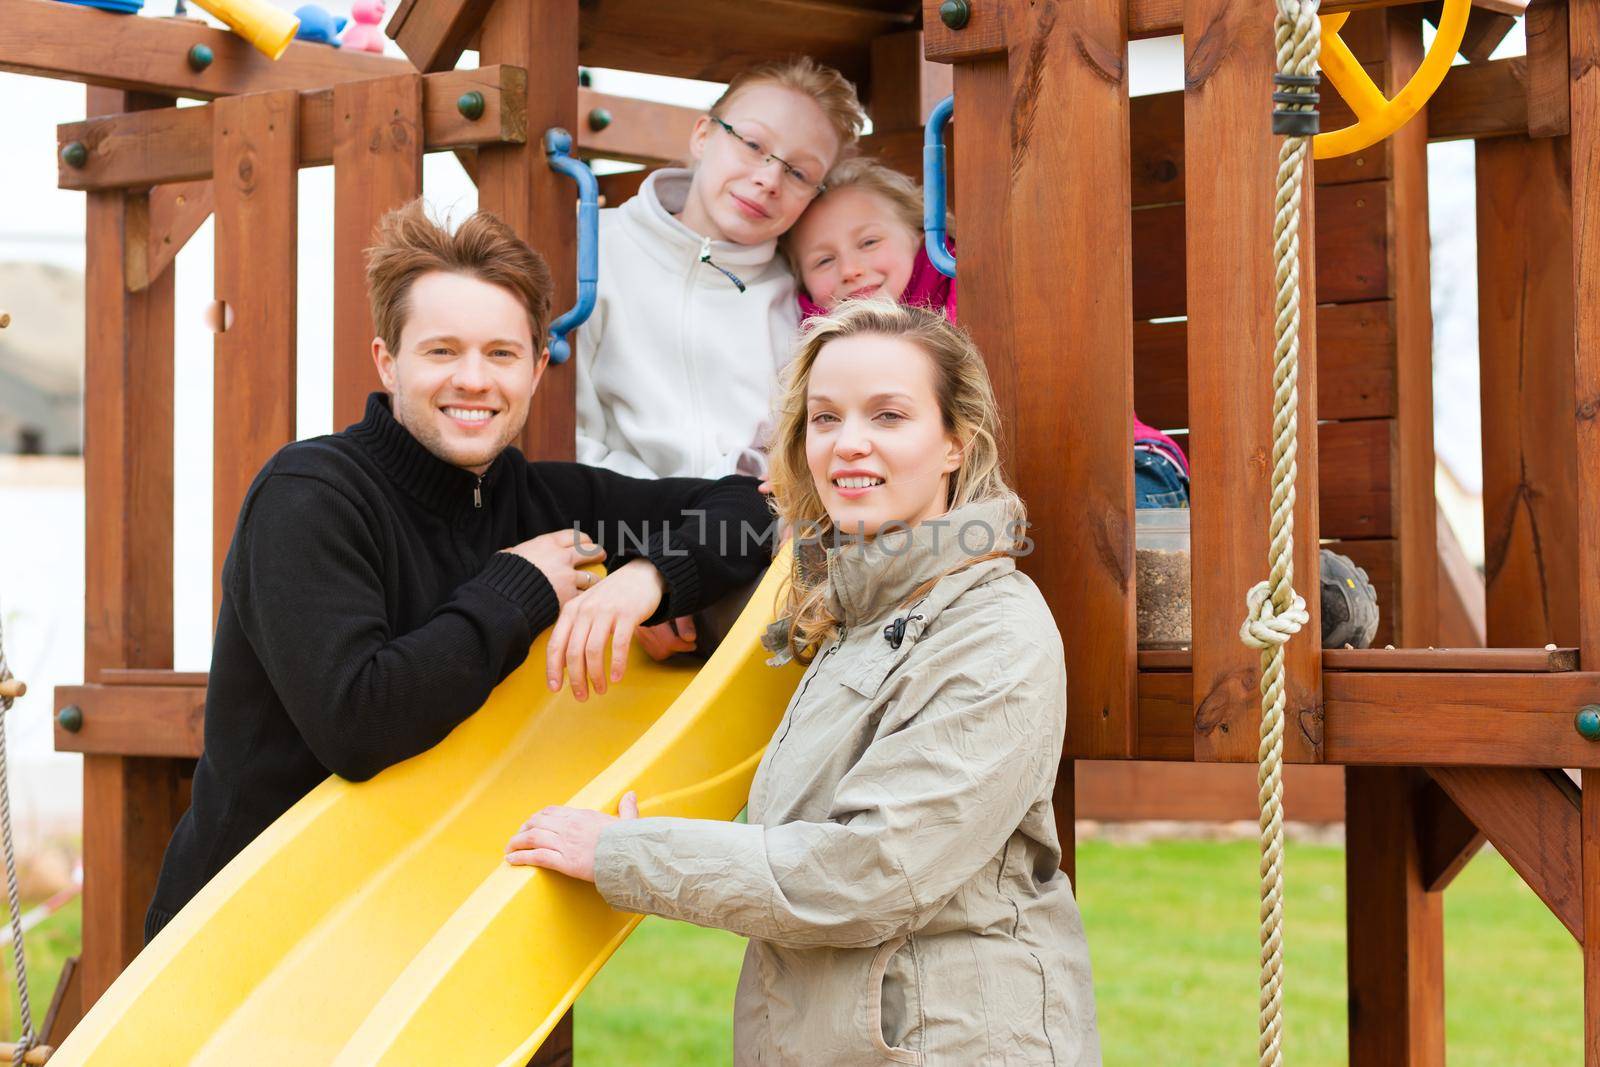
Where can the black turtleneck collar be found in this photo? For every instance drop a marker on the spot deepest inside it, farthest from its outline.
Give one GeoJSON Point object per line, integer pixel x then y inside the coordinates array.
{"type": "Point", "coordinates": [436, 484]}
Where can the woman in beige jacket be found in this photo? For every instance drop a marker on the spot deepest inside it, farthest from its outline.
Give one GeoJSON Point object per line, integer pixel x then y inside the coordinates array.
{"type": "Point", "coordinates": [898, 877]}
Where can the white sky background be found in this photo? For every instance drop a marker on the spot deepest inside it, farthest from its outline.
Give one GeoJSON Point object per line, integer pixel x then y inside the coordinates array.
{"type": "Point", "coordinates": [39, 222]}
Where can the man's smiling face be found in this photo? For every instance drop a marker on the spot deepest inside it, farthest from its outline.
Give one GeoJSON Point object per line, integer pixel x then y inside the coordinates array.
{"type": "Point", "coordinates": [466, 368]}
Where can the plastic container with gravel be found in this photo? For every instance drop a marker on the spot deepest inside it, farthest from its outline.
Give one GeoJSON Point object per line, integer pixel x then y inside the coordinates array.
{"type": "Point", "coordinates": [1161, 550]}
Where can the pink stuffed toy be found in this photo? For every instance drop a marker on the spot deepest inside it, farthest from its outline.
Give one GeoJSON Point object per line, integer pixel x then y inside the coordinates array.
{"type": "Point", "coordinates": [363, 34]}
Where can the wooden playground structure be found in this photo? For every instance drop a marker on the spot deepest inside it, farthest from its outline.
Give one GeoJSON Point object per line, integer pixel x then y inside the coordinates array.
{"type": "Point", "coordinates": [1112, 248]}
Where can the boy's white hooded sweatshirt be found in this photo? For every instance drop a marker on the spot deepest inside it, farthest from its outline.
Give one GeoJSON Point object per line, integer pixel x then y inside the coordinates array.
{"type": "Point", "coordinates": [677, 368]}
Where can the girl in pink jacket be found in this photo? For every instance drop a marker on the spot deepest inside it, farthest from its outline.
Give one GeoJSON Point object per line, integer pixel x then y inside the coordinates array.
{"type": "Point", "coordinates": [863, 238]}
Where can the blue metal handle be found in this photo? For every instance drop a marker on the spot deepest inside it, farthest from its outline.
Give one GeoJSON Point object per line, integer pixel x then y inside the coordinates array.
{"type": "Point", "coordinates": [933, 194]}
{"type": "Point", "coordinates": [558, 147]}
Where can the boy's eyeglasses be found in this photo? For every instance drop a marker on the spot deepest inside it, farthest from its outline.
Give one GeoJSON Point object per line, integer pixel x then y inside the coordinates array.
{"type": "Point", "coordinates": [755, 154]}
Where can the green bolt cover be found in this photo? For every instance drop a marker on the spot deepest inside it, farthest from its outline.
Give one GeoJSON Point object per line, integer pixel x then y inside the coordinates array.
{"type": "Point", "coordinates": [1588, 723]}
{"type": "Point", "coordinates": [955, 13]}
{"type": "Point", "coordinates": [470, 104]}
{"type": "Point", "coordinates": [70, 718]}
{"type": "Point", "coordinates": [599, 119]}
{"type": "Point", "coordinates": [200, 57]}
{"type": "Point", "coordinates": [74, 154]}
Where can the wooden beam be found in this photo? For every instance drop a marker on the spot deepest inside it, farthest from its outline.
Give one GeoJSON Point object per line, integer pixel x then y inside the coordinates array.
{"type": "Point", "coordinates": [70, 42]}
{"type": "Point", "coordinates": [134, 720]}
{"type": "Point", "coordinates": [1447, 838]}
{"type": "Point", "coordinates": [640, 131]}
{"type": "Point", "coordinates": [1485, 30]}
{"type": "Point", "coordinates": [176, 212]}
{"type": "Point", "coordinates": [1584, 43]}
{"type": "Point", "coordinates": [1549, 66]}
{"type": "Point", "coordinates": [1394, 927]}
{"type": "Point", "coordinates": [1480, 100]}
{"type": "Point", "coordinates": [1069, 165]}
{"type": "Point", "coordinates": [1415, 510]}
{"type": "Point", "coordinates": [1410, 660]}
{"type": "Point", "coordinates": [1228, 211]}
{"type": "Point", "coordinates": [515, 182]}
{"type": "Point", "coordinates": [1525, 323]}
{"type": "Point", "coordinates": [434, 34]}
{"type": "Point", "coordinates": [1162, 18]}
{"type": "Point", "coordinates": [1532, 818]}
{"type": "Point", "coordinates": [175, 144]}
{"type": "Point", "coordinates": [1459, 719]}
{"type": "Point", "coordinates": [377, 166]}
{"type": "Point", "coordinates": [255, 140]}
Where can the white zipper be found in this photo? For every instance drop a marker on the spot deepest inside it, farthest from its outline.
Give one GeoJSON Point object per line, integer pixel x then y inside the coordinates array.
{"type": "Point", "coordinates": [685, 349]}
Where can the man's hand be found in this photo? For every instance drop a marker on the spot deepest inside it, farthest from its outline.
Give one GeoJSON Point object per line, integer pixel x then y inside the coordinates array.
{"type": "Point", "coordinates": [565, 839]}
{"type": "Point", "coordinates": [665, 639]}
{"type": "Point", "coordinates": [612, 610]}
{"type": "Point", "coordinates": [561, 555]}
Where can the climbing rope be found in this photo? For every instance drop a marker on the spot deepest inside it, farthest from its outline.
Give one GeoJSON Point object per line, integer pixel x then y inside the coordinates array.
{"type": "Point", "coordinates": [19, 957]}
{"type": "Point", "coordinates": [1275, 611]}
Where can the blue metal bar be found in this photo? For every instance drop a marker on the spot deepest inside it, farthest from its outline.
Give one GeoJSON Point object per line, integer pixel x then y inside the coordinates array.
{"type": "Point", "coordinates": [933, 194]}
{"type": "Point", "coordinates": [558, 147]}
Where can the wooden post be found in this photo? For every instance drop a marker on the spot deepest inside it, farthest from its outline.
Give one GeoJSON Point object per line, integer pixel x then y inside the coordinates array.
{"type": "Point", "coordinates": [1395, 943]}
{"type": "Point", "coordinates": [1416, 511]}
{"type": "Point", "coordinates": [377, 166]}
{"type": "Point", "coordinates": [516, 183]}
{"type": "Point", "coordinates": [1584, 44]}
{"type": "Point", "coordinates": [256, 178]}
{"type": "Point", "coordinates": [1530, 477]}
{"type": "Point", "coordinates": [1229, 187]}
{"type": "Point", "coordinates": [128, 404]}
{"type": "Point", "coordinates": [904, 86]}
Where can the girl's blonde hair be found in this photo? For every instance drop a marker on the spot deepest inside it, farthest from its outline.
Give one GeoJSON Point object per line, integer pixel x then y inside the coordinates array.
{"type": "Point", "coordinates": [966, 406]}
{"type": "Point", "coordinates": [860, 172]}
{"type": "Point", "coordinates": [832, 91]}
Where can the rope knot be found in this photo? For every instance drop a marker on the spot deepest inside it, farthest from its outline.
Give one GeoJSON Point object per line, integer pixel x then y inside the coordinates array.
{"type": "Point", "coordinates": [1264, 627]}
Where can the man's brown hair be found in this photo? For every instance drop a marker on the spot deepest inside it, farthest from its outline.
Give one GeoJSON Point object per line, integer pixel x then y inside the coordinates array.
{"type": "Point", "coordinates": [410, 244]}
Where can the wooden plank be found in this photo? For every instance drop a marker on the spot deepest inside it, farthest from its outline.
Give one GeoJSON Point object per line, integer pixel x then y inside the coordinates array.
{"type": "Point", "coordinates": [904, 87]}
{"type": "Point", "coordinates": [128, 398]}
{"type": "Point", "coordinates": [136, 720]}
{"type": "Point", "coordinates": [129, 809]}
{"type": "Point", "coordinates": [175, 144]}
{"type": "Point", "coordinates": [1162, 18]}
{"type": "Point", "coordinates": [1452, 660]}
{"type": "Point", "coordinates": [1485, 30]}
{"type": "Point", "coordinates": [377, 166]}
{"type": "Point", "coordinates": [433, 35]}
{"type": "Point", "coordinates": [1448, 839]}
{"type": "Point", "coordinates": [1584, 43]}
{"type": "Point", "coordinates": [1166, 716]}
{"type": "Point", "coordinates": [1493, 720]}
{"type": "Point", "coordinates": [1351, 241]}
{"type": "Point", "coordinates": [1380, 559]}
{"type": "Point", "coordinates": [984, 36]}
{"type": "Point", "coordinates": [256, 255]}
{"type": "Point", "coordinates": [1358, 493]}
{"type": "Point", "coordinates": [1549, 69]}
{"type": "Point", "coordinates": [641, 131]}
{"type": "Point", "coordinates": [1145, 790]}
{"type": "Point", "coordinates": [112, 676]}
{"type": "Point", "coordinates": [1355, 365]}
{"type": "Point", "coordinates": [176, 212]}
{"type": "Point", "coordinates": [1532, 819]}
{"type": "Point", "coordinates": [82, 44]}
{"type": "Point", "coordinates": [516, 183]}
{"type": "Point", "coordinates": [1525, 324]}
{"type": "Point", "coordinates": [1462, 614]}
{"type": "Point", "coordinates": [66, 1004]}
{"type": "Point", "coordinates": [1158, 156]}
{"type": "Point", "coordinates": [1069, 165]}
{"type": "Point", "coordinates": [1229, 299]}
{"type": "Point", "coordinates": [1480, 100]}
{"type": "Point", "coordinates": [1414, 508]}
{"type": "Point", "coordinates": [1394, 926]}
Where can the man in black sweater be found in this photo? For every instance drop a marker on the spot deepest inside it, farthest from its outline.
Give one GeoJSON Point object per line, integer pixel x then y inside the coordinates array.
{"type": "Point", "coordinates": [383, 580]}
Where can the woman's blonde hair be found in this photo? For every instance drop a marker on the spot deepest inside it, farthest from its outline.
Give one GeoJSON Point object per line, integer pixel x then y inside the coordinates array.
{"type": "Point", "coordinates": [832, 91]}
{"type": "Point", "coordinates": [860, 172]}
{"type": "Point", "coordinates": [966, 406]}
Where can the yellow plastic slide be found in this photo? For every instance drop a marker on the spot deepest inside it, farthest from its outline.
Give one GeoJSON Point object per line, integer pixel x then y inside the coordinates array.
{"type": "Point", "coordinates": [378, 923]}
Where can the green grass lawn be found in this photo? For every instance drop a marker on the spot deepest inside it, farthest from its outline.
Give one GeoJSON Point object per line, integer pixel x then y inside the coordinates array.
{"type": "Point", "coordinates": [1172, 928]}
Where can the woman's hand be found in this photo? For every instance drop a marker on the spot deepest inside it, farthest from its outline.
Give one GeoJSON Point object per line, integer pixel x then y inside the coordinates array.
{"type": "Point", "coordinates": [564, 839]}
{"type": "Point", "coordinates": [611, 609]}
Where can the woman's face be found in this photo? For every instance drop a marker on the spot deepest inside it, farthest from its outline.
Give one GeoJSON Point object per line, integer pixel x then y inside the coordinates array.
{"type": "Point", "coordinates": [740, 195]}
{"type": "Point", "coordinates": [875, 439]}
{"type": "Point", "coordinates": [851, 244]}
